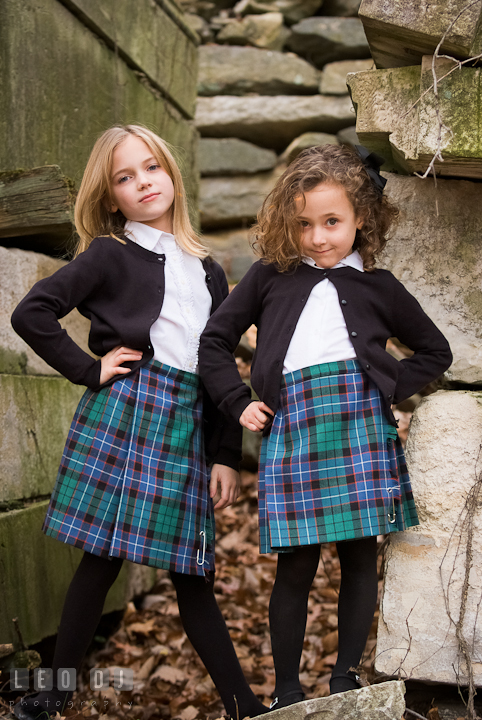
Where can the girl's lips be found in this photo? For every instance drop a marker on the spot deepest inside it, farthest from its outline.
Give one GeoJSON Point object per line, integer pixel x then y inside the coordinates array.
{"type": "Point", "coordinates": [146, 198]}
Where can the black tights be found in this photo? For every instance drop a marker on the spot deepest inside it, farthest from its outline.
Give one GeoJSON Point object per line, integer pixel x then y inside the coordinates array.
{"type": "Point", "coordinates": [200, 615]}
{"type": "Point", "coordinates": [289, 605]}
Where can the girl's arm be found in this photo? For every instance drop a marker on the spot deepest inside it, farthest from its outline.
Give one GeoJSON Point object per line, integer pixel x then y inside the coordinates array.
{"type": "Point", "coordinates": [36, 318]}
{"type": "Point", "coordinates": [432, 355]}
{"type": "Point", "coordinates": [220, 339]}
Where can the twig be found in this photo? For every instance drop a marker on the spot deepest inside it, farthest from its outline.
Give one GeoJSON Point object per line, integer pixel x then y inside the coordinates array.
{"type": "Point", "coordinates": [415, 714]}
{"type": "Point", "coordinates": [19, 634]}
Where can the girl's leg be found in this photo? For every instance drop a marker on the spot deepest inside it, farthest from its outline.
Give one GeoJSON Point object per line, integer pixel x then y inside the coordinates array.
{"type": "Point", "coordinates": [207, 631]}
{"type": "Point", "coordinates": [80, 616]}
{"type": "Point", "coordinates": [287, 618]}
{"type": "Point", "coordinates": [356, 607]}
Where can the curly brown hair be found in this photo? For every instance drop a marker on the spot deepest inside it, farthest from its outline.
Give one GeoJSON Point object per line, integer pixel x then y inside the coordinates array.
{"type": "Point", "coordinates": [278, 234]}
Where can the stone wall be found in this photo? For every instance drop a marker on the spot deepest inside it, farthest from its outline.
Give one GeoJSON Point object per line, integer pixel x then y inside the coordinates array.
{"type": "Point", "coordinates": [272, 81]}
{"type": "Point", "coordinates": [90, 64]}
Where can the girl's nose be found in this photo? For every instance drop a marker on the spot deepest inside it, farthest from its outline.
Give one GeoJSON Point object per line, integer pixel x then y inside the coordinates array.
{"type": "Point", "coordinates": [143, 180]}
{"type": "Point", "coordinates": [318, 236]}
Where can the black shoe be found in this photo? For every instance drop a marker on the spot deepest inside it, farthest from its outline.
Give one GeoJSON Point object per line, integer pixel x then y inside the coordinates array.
{"type": "Point", "coordinates": [22, 711]}
{"type": "Point", "coordinates": [344, 682]}
{"type": "Point", "coordinates": [290, 698]}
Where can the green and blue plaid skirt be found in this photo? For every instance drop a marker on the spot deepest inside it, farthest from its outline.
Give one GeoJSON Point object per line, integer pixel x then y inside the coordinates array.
{"type": "Point", "coordinates": [133, 481]}
{"type": "Point", "coordinates": [332, 467]}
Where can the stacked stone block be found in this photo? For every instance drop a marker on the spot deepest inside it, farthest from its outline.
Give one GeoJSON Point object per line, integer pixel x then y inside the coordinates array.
{"type": "Point", "coordinates": [89, 65]}
{"type": "Point", "coordinates": [272, 81]}
{"type": "Point", "coordinates": [431, 598]}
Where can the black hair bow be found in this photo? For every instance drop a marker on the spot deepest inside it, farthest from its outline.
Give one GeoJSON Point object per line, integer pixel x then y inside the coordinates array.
{"type": "Point", "coordinates": [372, 163]}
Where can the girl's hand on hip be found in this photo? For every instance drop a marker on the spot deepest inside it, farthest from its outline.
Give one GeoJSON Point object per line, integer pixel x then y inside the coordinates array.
{"type": "Point", "coordinates": [255, 416]}
{"type": "Point", "coordinates": [112, 361]}
{"type": "Point", "coordinates": [229, 482]}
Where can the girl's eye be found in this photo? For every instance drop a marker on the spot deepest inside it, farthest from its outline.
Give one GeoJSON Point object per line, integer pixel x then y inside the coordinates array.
{"type": "Point", "coordinates": [123, 179]}
{"type": "Point", "coordinates": [332, 221]}
{"type": "Point", "coordinates": [304, 223]}
{"type": "Point", "coordinates": [153, 167]}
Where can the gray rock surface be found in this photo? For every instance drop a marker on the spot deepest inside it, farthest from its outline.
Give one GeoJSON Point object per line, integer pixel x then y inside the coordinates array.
{"type": "Point", "coordinates": [376, 702]}
{"type": "Point", "coordinates": [348, 136]}
{"type": "Point", "coordinates": [19, 270]}
{"type": "Point", "coordinates": [234, 70]}
{"type": "Point", "coordinates": [341, 8]}
{"type": "Point", "coordinates": [439, 260]}
{"type": "Point", "coordinates": [325, 39]}
{"type": "Point", "coordinates": [292, 10]}
{"type": "Point", "coordinates": [307, 140]}
{"type": "Point", "coordinates": [333, 77]}
{"type": "Point", "coordinates": [231, 156]}
{"type": "Point", "coordinates": [263, 31]}
{"type": "Point", "coordinates": [425, 566]}
{"type": "Point", "coordinates": [227, 201]}
{"type": "Point", "coordinates": [272, 121]}
{"type": "Point", "coordinates": [232, 249]}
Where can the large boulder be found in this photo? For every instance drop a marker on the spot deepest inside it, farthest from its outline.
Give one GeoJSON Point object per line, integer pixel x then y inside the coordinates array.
{"type": "Point", "coordinates": [19, 270]}
{"type": "Point", "coordinates": [307, 140]}
{"type": "Point", "coordinates": [262, 31]}
{"type": "Point", "coordinates": [233, 70]}
{"type": "Point", "coordinates": [272, 121]}
{"type": "Point", "coordinates": [376, 702]}
{"type": "Point", "coordinates": [399, 117]}
{"type": "Point", "coordinates": [400, 33]}
{"type": "Point", "coordinates": [436, 252]}
{"type": "Point", "coordinates": [434, 569]}
{"type": "Point", "coordinates": [325, 39]}
{"type": "Point", "coordinates": [226, 201]}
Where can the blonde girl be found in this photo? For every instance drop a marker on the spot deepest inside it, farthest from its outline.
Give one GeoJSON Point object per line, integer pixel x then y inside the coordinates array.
{"type": "Point", "coordinates": [133, 483]}
{"type": "Point", "coordinates": [331, 467]}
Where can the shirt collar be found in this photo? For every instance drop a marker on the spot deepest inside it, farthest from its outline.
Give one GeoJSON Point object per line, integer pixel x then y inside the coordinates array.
{"type": "Point", "coordinates": [145, 235]}
{"type": "Point", "coordinates": [354, 260]}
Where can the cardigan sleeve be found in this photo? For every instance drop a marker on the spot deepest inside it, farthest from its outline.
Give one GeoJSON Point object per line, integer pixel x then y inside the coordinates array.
{"type": "Point", "coordinates": [431, 351]}
{"type": "Point", "coordinates": [219, 340]}
{"type": "Point", "coordinates": [36, 318]}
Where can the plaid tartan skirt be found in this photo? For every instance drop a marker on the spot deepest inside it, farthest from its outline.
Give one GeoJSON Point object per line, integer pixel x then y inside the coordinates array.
{"type": "Point", "coordinates": [332, 467]}
{"type": "Point", "coordinates": [133, 481]}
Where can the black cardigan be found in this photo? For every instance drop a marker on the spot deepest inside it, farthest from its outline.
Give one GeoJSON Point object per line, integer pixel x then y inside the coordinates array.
{"type": "Point", "coordinates": [119, 287]}
{"type": "Point", "coordinates": [375, 306]}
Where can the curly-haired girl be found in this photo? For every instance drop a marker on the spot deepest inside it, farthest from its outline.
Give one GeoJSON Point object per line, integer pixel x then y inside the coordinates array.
{"type": "Point", "coordinates": [331, 467]}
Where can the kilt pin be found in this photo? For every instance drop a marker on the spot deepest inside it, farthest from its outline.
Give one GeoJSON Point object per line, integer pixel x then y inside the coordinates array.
{"type": "Point", "coordinates": [332, 467]}
{"type": "Point", "coordinates": [133, 482]}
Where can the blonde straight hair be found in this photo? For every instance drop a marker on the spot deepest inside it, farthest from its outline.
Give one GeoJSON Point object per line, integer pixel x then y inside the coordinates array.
{"type": "Point", "coordinates": [92, 217]}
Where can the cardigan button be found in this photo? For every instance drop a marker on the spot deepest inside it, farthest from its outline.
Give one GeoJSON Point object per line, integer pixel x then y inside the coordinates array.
{"type": "Point", "coordinates": [208, 278]}
{"type": "Point", "coordinates": [367, 366]}
{"type": "Point", "coordinates": [389, 397]}
{"type": "Point", "coordinates": [354, 334]}
{"type": "Point", "coordinates": [343, 302]}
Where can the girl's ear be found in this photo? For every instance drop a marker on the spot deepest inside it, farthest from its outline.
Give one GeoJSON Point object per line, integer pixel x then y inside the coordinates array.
{"type": "Point", "coordinates": [360, 222]}
{"type": "Point", "coordinates": [109, 205]}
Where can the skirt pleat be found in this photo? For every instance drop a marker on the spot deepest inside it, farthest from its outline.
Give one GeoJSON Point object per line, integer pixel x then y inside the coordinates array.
{"type": "Point", "coordinates": [133, 482]}
{"type": "Point", "coordinates": [332, 467]}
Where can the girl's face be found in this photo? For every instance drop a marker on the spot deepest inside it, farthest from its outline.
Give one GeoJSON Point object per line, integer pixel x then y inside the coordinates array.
{"type": "Point", "coordinates": [140, 188]}
{"type": "Point", "coordinates": [328, 223]}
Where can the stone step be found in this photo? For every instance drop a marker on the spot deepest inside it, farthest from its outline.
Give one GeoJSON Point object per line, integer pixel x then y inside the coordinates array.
{"type": "Point", "coordinates": [272, 122]}
{"type": "Point", "coordinates": [35, 420]}
{"type": "Point", "coordinates": [227, 201]}
{"type": "Point", "coordinates": [262, 31]}
{"type": "Point", "coordinates": [234, 70]}
{"type": "Point", "coordinates": [36, 573]}
{"type": "Point", "coordinates": [19, 270]}
{"type": "Point", "coordinates": [435, 251]}
{"type": "Point", "coordinates": [322, 40]}
{"type": "Point", "coordinates": [232, 250]}
{"type": "Point", "coordinates": [401, 33]}
{"type": "Point", "coordinates": [397, 117]}
{"type": "Point", "coordinates": [231, 156]}
{"type": "Point", "coordinates": [425, 566]}
{"type": "Point", "coordinates": [36, 201]}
